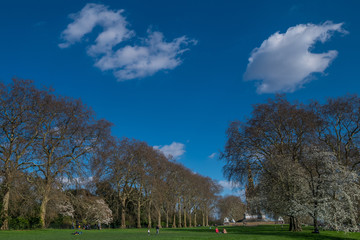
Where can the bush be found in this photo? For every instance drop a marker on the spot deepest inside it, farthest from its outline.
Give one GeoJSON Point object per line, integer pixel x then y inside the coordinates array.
{"type": "Point", "coordinates": [35, 222]}
{"type": "Point", "coordinates": [19, 223]}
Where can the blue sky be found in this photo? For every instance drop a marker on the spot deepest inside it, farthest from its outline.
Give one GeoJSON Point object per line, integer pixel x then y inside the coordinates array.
{"type": "Point", "coordinates": [175, 73]}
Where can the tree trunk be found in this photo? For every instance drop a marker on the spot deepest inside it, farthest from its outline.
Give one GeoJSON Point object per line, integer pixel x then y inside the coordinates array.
{"type": "Point", "coordinates": [159, 217]}
{"type": "Point", "coordinates": [185, 222]}
{"type": "Point", "coordinates": [294, 225]}
{"type": "Point", "coordinates": [5, 210]}
{"type": "Point", "coordinates": [167, 218]}
{"type": "Point", "coordinates": [43, 206]}
{"type": "Point", "coordinates": [203, 219]}
{"type": "Point", "coordinates": [180, 224]}
{"type": "Point", "coordinates": [190, 219]}
{"type": "Point", "coordinates": [123, 213]}
{"type": "Point", "coordinates": [195, 223]}
{"type": "Point", "coordinates": [174, 221]}
{"type": "Point", "coordinates": [149, 215]}
{"type": "Point", "coordinates": [316, 227]}
{"type": "Point", "coordinates": [138, 214]}
{"type": "Point", "coordinates": [207, 220]}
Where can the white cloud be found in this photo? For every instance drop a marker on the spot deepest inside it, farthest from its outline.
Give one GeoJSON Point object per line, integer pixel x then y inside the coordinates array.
{"type": "Point", "coordinates": [174, 150]}
{"type": "Point", "coordinates": [140, 61]}
{"type": "Point", "coordinates": [228, 185]}
{"type": "Point", "coordinates": [128, 61]}
{"type": "Point", "coordinates": [212, 156]}
{"type": "Point", "coordinates": [113, 23]}
{"type": "Point", "coordinates": [283, 62]}
{"type": "Point", "coordinates": [232, 188]}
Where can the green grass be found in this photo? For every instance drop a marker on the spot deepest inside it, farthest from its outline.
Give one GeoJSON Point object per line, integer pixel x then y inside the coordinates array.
{"type": "Point", "coordinates": [238, 233]}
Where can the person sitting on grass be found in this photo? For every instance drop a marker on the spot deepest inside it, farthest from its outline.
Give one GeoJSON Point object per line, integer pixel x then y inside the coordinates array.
{"type": "Point", "coordinates": [216, 230]}
{"type": "Point", "coordinates": [224, 231]}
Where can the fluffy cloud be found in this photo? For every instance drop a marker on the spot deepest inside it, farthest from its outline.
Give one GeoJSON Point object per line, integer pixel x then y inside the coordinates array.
{"type": "Point", "coordinates": [140, 61]}
{"type": "Point", "coordinates": [130, 61]}
{"type": "Point", "coordinates": [113, 23]}
{"type": "Point", "coordinates": [283, 62]}
{"type": "Point", "coordinates": [174, 150]}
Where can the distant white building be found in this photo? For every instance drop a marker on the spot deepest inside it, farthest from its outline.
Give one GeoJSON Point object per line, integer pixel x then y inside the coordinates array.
{"type": "Point", "coordinates": [227, 220]}
{"type": "Point", "coordinates": [254, 217]}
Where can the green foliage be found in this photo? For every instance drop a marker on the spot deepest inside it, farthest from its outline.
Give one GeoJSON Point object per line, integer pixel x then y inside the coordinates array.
{"type": "Point", "coordinates": [61, 222]}
{"type": "Point", "coordinates": [35, 222]}
{"type": "Point", "coordinates": [19, 223]}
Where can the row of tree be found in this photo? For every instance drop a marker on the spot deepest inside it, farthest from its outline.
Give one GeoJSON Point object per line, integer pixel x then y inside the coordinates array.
{"type": "Point", "coordinates": [58, 164]}
{"type": "Point", "coordinates": [299, 161]}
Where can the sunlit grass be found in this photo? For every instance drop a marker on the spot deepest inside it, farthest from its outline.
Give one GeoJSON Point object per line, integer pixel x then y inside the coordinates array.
{"type": "Point", "coordinates": [260, 232]}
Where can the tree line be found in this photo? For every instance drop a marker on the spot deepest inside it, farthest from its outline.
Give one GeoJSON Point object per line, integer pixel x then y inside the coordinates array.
{"type": "Point", "coordinates": [299, 161]}
{"type": "Point", "coordinates": [59, 165]}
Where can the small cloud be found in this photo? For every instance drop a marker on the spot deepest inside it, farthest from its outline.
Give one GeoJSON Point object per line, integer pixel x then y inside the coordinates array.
{"type": "Point", "coordinates": [283, 62]}
{"type": "Point", "coordinates": [113, 23]}
{"type": "Point", "coordinates": [128, 61]}
{"type": "Point", "coordinates": [233, 188]}
{"type": "Point", "coordinates": [229, 185]}
{"type": "Point", "coordinates": [174, 150]}
{"type": "Point", "coordinates": [213, 155]}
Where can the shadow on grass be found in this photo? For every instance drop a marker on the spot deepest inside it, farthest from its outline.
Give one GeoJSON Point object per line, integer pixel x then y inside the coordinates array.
{"type": "Point", "coordinates": [271, 230]}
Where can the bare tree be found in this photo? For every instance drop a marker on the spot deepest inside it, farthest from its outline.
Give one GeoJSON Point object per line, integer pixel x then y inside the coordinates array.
{"type": "Point", "coordinates": [66, 137]}
{"type": "Point", "coordinates": [277, 131]}
{"type": "Point", "coordinates": [19, 126]}
{"type": "Point", "coordinates": [118, 165]}
{"type": "Point", "coordinates": [231, 207]}
{"type": "Point", "coordinates": [340, 128]}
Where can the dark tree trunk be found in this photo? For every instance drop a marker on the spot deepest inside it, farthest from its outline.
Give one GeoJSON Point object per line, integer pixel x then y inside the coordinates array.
{"type": "Point", "coordinates": [316, 227]}
{"type": "Point", "coordinates": [294, 225]}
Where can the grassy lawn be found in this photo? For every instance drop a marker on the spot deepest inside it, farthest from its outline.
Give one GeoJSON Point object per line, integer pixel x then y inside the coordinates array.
{"type": "Point", "coordinates": [239, 233]}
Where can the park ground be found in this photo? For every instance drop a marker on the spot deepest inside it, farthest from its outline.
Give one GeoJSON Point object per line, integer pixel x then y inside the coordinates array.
{"type": "Point", "coordinates": [239, 233]}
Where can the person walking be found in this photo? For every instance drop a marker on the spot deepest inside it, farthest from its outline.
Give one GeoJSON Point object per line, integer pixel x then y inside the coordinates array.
{"type": "Point", "coordinates": [157, 229]}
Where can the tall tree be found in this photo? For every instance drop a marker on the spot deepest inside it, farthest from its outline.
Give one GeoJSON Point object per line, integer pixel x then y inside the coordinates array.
{"type": "Point", "coordinates": [277, 131]}
{"type": "Point", "coordinates": [19, 126]}
{"type": "Point", "coordinates": [231, 207]}
{"type": "Point", "coordinates": [66, 137]}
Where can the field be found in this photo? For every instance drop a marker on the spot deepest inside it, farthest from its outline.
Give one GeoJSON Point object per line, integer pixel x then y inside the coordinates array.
{"type": "Point", "coordinates": [239, 233]}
